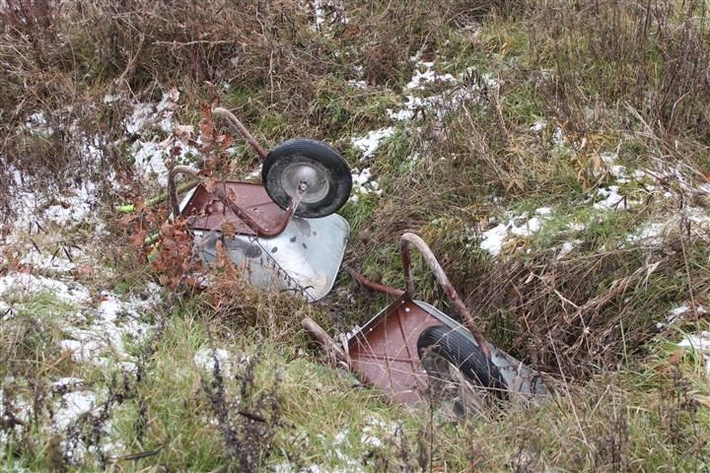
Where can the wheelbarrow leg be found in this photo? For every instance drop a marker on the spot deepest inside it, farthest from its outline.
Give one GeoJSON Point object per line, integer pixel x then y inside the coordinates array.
{"type": "Point", "coordinates": [326, 341]}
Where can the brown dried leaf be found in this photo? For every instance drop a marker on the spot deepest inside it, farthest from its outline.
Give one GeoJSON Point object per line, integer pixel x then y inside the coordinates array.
{"type": "Point", "coordinates": [209, 184]}
{"type": "Point", "coordinates": [184, 133]}
{"type": "Point", "coordinates": [228, 229]}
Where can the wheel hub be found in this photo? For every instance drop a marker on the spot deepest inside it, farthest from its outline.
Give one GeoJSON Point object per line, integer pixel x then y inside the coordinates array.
{"type": "Point", "coordinates": [313, 176]}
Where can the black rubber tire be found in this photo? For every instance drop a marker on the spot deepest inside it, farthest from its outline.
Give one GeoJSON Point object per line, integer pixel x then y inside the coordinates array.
{"type": "Point", "coordinates": [463, 353]}
{"type": "Point", "coordinates": [334, 184]}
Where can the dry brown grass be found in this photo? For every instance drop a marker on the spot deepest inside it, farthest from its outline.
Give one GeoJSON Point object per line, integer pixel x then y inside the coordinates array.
{"type": "Point", "coordinates": [649, 55]}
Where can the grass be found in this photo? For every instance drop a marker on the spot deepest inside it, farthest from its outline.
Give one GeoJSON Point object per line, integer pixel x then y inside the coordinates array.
{"type": "Point", "coordinates": [614, 77]}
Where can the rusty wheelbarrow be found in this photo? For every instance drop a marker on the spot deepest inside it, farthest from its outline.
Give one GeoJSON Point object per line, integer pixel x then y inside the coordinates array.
{"type": "Point", "coordinates": [284, 233]}
{"type": "Point", "coordinates": [411, 350]}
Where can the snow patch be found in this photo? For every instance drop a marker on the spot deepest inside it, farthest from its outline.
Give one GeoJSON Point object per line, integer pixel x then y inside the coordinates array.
{"type": "Point", "coordinates": [493, 240]}
{"type": "Point", "coordinates": [206, 359]}
{"type": "Point", "coordinates": [369, 143]}
{"type": "Point", "coordinates": [363, 184]}
{"type": "Point", "coordinates": [699, 343]}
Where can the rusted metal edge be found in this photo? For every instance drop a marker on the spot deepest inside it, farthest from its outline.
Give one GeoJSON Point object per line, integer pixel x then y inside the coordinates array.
{"type": "Point", "coordinates": [220, 194]}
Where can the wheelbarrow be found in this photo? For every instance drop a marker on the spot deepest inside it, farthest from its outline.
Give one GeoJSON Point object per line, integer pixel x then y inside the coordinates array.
{"type": "Point", "coordinates": [412, 351]}
{"type": "Point", "coordinates": [283, 234]}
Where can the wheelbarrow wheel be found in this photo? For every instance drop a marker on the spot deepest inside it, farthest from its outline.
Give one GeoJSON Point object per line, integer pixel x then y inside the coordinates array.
{"type": "Point", "coordinates": [449, 356]}
{"type": "Point", "coordinates": [314, 163]}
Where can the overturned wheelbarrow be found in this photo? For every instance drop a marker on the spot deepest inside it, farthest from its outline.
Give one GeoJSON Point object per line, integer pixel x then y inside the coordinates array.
{"type": "Point", "coordinates": [283, 234]}
{"type": "Point", "coordinates": [413, 351]}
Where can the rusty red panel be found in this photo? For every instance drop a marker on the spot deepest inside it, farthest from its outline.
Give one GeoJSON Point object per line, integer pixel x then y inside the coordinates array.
{"type": "Point", "coordinates": [209, 213]}
{"type": "Point", "coordinates": [384, 353]}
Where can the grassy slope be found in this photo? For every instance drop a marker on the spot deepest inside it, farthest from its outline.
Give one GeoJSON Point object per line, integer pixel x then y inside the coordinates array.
{"type": "Point", "coordinates": [607, 79]}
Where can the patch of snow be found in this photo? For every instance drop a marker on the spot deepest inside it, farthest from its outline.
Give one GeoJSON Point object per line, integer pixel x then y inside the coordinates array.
{"type": "Point", "coordinates": [458, 91]}
{"type": "Point", "coordinates": [375, 429]}
{"type": "Point", "coordinates": [610, 199]}
{"type": "Point", "coordinates": [204, 359]}
{"type": "Point", "coordinates": [148, 115]}
{"type": "Point", "coordinates": [20, 408]}
{"type": "Point", "coordinates": [327, 12]}
{"type": "Point", "coordinates": [105, 342]}
{"type": "Point", "coordinates": [358, 84]}
{"type": "Point", "coordinates": [149, 158]}
{"type": "Point", "coordinates": [67, 383]}
{"type": "Point", "coordinates": [539, 125]}
{"type": "Point", "coordinates": [17, 283]}
{"type": "Point", "coordinates": [421, 78]}
{"type": "Point", "coordinates": [72, 405]}
{"type": "Point", "coordinates": [320, 14]}
{"type": "Point", "coordinates": [31, 208]}
{"type": "Point", "coordinates": [57, 262]}
{"type": "Point", "coordinates": [368, 144]}
{"type": "Point", "coordinates": [649, 233]}
{"type": "Point", "coordinates": [494, 239]}
{"type": "Point", "coordinates": [524, 227]}
{"type": "Point", "coordinates": [567, 248]}
{"type": "Point", "coordinates": [558, 137]}
{"type": "Point", "coordinates": [699, 343]}
{"type": "Point", "coordinates": [678, 313]}
{"type": "Point", "coordinates": [36, 120]}
{"type": "Point", "coordinates": [363, 184]}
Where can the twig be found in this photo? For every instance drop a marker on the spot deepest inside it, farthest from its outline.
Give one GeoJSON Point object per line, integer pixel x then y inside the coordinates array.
{"type": "Point", "coordinates": [176, 44]}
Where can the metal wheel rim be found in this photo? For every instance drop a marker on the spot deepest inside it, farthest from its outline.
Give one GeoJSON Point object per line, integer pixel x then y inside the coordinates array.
{"type": "Point", "coordinates": [313, 175]}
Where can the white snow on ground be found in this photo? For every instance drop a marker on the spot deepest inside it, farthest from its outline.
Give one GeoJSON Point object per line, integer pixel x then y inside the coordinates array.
{"type": "Point", "coordinates": [32, 210]}
{"type": "Point", "coordinates": [417, 100]}
{"type": "Point", "coordinates": [363, 184]}
{"type": "Point", "coordinates": [699, 343]}
{"type": "Point", "coordinates": [369, 143]}
{"type": "Point", "coordinates": [605, 199]}
{"type": "Point", "coordinates": [101, 328]}
{"type": "Point", "coordinates": [159, 137]}
{"type": "Point", "coordinates": [375, 433]}
{"type": "Point", "coordinates": [457, 92]}
{"type": "Point", "coordinates": [106, 341]}
{"type": "Point", "coordinates": [326, 12]}
{"type": "Point", "coordinates": [15, 283]}
{"type": "Point", "coordinates": [611, 199]}
{"type": "Point", "coordinates": [494, 239]}
{"type": "Point", "coordinates": [72, 405]}
{"type": "Point", "coordinates": [679, 313]}
{"type": "Point", "coordinates": [98, 334]}
{"type": "Point", "coordinates": [207, 358]}
{"type": "Point", "coordinates": [105, 326]}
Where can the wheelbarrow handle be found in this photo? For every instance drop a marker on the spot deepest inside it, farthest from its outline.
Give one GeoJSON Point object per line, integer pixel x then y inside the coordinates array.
{"type": "Point", "coordinates": [460, 308]}
{"type": "Point", "coordinates": [229, 116]}
{"type": "Point", "coordinates": [174, 207]}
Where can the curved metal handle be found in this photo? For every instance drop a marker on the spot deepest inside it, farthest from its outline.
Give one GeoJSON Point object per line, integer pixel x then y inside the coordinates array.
{"type": "Point", "coordinates": [224, 113]}
{"type": "Point", "coordinates": [460, 308]}
{"type": "Point", "coordinates": [174, 207]}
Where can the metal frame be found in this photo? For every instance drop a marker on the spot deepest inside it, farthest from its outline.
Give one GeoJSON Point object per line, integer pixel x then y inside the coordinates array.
{"type": "Point", "coordinates": [384, 352]}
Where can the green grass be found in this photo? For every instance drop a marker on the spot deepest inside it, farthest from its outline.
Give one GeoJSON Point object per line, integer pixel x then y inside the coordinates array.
{"type": "Point", "coordinates": [609, 75]}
